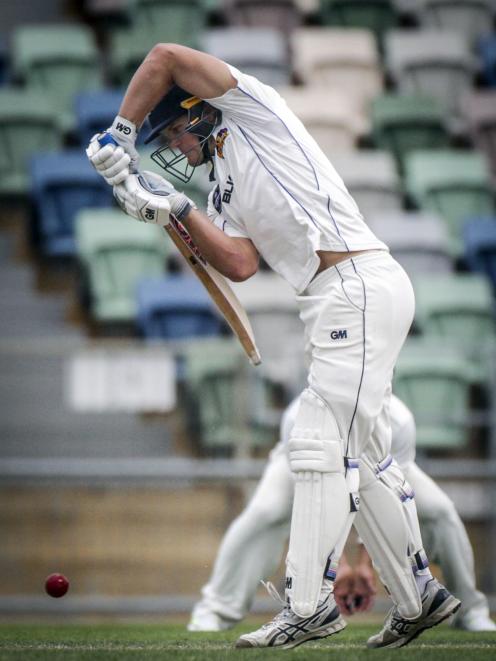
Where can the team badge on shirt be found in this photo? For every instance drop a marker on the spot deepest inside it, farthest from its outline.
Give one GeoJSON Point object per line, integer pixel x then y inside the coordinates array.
{"type": "Point", "coordinates": [220, 138]}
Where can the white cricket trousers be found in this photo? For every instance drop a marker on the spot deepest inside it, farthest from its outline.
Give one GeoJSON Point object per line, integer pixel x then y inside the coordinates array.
{"type": "Point", "coordinates": [357, 315]}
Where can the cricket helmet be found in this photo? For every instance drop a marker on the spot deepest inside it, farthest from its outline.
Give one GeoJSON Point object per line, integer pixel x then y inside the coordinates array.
{"type": "Point", "coordinates": [202, 120]}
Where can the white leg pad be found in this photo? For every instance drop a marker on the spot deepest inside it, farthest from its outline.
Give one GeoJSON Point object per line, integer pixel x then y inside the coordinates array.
{"type": "Point", "coordinates": [384, 526]}
{"type": "Point", "coordinates": [321, 504]}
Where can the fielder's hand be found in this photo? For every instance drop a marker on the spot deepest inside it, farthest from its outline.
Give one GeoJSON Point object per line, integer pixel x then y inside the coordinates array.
{"type": "Point", "coordinates": [113, 153]}
{"type": "Point", "coordinates": [151, 198]}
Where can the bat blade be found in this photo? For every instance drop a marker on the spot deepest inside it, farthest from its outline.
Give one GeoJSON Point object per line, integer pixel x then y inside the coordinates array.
{"type": "Point", "coordinates": [218, 288]}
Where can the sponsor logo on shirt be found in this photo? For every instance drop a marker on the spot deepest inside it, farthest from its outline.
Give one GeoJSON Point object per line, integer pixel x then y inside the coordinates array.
{"type": "Point", "coordinates": [228, 190]}
{"type": "Point", "coordinates": [219, 142]}
{"type": "Point", "coordinates": [216, 199]}
{"type": "Point", "coordinates": [339, 334]}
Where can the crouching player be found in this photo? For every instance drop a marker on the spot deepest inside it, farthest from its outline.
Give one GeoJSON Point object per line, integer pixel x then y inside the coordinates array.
{"type": "Point", "coordinates": [254, 542]}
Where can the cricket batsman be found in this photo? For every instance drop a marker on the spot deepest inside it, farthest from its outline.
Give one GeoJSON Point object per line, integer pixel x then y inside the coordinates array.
{"type": "Point", "coordinates": [279, 197]}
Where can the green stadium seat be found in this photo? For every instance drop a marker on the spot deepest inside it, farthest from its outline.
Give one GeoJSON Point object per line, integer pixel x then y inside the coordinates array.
{"type": "Point", "coordinates": [459, 310]}
{"type": "Point", "coordinates": [455, 184]}
{"type": "Point", "coordinates": [127, 49]}
{"type": "Point", "coordinates": [434, 382]}
{"type": "Point", "coordinates": [58, 60]}
{"type": "Point", "coordinates": [216, 397]}
{"type": "Point", "coordinates": [116, 252]}
{"type": "Point", "coordinates": [375, 15]}
{"type": "Point", "coordinates": [178, 21]}
{"type": "Point", "coordinates": [402, 123]}
{"type": "Point", "coordinates": [27, 126]}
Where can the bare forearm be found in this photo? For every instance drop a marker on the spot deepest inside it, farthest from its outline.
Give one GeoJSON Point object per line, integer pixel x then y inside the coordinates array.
{"type": "Point", "coordinates": [235, 258]}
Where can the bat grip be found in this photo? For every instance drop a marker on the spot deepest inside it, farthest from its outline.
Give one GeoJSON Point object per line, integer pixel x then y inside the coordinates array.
{"type": "Point", "coordinates": [107, 139]}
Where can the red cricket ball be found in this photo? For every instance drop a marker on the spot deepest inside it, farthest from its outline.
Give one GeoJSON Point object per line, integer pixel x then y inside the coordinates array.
{"type": "Point", "coordinates": [56, 585]}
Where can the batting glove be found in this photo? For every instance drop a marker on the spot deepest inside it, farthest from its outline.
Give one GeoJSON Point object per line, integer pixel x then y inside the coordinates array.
{"type": "Point", "coordinates": [151, 198]}
{"type": "Point", "coordinates": [113, 153]}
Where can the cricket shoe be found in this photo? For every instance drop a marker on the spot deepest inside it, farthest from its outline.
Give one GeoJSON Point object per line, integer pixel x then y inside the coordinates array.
{"type": "Point", "coordinates": [203, 618]}
{"type": "Point", "coordinates": [476, 620]}
{"type": "Point", "coordinates": [437, 605]}
{"type": "Point", "coordinates": [288, 630]}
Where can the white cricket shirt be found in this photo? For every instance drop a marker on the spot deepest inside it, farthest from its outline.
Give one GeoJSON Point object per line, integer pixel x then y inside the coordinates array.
{"type": "Point", "coordinates": [277, 188]}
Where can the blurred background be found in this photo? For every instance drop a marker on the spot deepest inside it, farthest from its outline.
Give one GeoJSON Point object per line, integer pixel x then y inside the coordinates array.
{"type": "Point", "coordinates": [132, 427]}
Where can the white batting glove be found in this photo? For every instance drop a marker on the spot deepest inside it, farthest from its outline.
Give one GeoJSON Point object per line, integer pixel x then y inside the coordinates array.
{"type": "Point", "coordinates": [150, 198]}
{"type": "Point", "coordinates": [113, 153]}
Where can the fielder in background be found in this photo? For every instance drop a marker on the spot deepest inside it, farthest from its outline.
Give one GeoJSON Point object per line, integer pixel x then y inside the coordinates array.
{"type": "Point", "coordinates": [252, 546]}
{"type": "Point", "coordinates": [278, 196]}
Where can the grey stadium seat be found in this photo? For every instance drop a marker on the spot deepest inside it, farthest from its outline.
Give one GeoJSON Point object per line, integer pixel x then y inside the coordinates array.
{"type": "Point", "coordinates": [433, 62]}
{"type": "Point", "coordinates": [419, 241]}
{"type": "Point", "coordinates": [268, 61]}
{"type": "Point", "coordinates": [371, 178]}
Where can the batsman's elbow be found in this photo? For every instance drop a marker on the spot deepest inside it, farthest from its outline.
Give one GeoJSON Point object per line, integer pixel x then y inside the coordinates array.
{"type": "Point", "coordinates": [242, 269]}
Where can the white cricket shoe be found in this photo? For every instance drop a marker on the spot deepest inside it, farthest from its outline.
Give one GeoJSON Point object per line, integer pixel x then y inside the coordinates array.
{"type": "Point", "coordinates": [288, 630]}
{"type": "Point", "coordinates": [476, 620]}
{"type": "Point", "coordinates": [437, 605]}
{"type": "Point", "coordinates": [203, 618]}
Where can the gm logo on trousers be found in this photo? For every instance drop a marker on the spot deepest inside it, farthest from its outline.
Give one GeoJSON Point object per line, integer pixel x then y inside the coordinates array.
{"type": "Point", "coordinates": [339, 334]}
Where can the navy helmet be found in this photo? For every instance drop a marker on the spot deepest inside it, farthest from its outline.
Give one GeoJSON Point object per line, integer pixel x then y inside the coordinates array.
{"type": "Point", "coordinates": [202, 120]}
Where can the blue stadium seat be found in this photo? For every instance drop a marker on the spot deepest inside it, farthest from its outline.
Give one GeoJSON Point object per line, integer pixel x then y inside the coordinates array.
{"type": "Point", "coordinates": [63, 183]}
{"type": "Point", "coordinates": [486, 49]}
{"type": "Point", "coordinates": [479, 236]}
{"type": "Point", "coordinates": [95, 111]}
{"type": "Point", "coordinates": [175, 307]}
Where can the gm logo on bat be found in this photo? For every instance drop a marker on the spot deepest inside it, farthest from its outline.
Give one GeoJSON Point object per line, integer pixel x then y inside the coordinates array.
{"type": "Point", "coordinates": [339, 334]}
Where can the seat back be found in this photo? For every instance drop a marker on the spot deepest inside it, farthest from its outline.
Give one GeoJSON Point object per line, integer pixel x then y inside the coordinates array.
{"type": "Point", "coordinates": [178, 21]}
{"type": "Point", "coordinates": [479, 236]}
{"type": "Point", "coordinates": [434, 382]}
{"type": "Point", "coordinates": [403, 123]}
{"type": "Point", "coordinates": [117, 252]}
{"type": "Point", "coordinates": [27, 125]}
{"type": "Point", "coordinates": [176, 307]}
{"type": "Point", "coordinates": [63, 183]}
{"type": "Point", "coordinates": [472, 18]}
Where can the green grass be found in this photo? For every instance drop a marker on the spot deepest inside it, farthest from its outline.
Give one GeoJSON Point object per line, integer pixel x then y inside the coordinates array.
{"type": "Point", "coordinates": [120, 642]}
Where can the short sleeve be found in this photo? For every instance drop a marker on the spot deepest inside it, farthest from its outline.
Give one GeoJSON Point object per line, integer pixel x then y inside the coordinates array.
{"type": "Point", "coordinates": [250, 102]}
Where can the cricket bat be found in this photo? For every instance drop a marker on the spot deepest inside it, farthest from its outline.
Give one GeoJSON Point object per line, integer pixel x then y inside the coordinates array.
{"type": "Point", "coordinates": [217, 286]}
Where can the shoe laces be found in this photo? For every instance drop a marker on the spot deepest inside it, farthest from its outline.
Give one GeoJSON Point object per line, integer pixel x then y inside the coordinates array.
{"type": "Point", "coordinates": [274, 593]}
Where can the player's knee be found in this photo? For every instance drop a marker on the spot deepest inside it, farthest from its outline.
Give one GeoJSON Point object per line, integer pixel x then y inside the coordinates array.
{"type": "Point", "coordinates": [315, 443]}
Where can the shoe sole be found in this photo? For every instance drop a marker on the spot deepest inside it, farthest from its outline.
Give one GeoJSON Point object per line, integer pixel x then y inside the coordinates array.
{"type": "Point", "coordinates": [337, 626]}
{"type": "Point", "coordinates": [447, 609]}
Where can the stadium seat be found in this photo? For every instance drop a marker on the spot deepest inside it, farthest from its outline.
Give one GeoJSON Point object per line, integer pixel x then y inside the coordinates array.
{"type": "Point", "coordinates": [59, 61]}
{"type": "Point", "coordinates": [375, 15]}
{"type": "Point", "coordinates": [434, 381]}
{"type": "Point", "coordinates": [96, 111]}
{"type": "Point", "coordinates": [471, 18]}
{"type": "Point", "coordinates": [115, 252]}
{"type": "Point", "coordinates": [3, 61]}
{"type": "Point", "coordinates": [454, 184]}
{"type": "Point", "coordinates": [419, 241]}
{"type": "Point", "coordinates": [27, 125]}
{"type": "Point", "coordinates": [402, 123]}
{"type": "Point", "coordinates": [479, 111]}
{"type": "Point", "coordinates": [175, 307]}
{"type": "Point", "coordinates": [63, 183]}
{"type": "Point", "coordinates": [342, 60]}
{"type": "Point", "coordinates": [216, 403]}
{"type": "Point", "coordinates": [486, 49]}
{"type": "Point", "coordinates": [269, 61]}
{"type": "Point", "coordinates": [333, 119]}
{"type": "Point", "coordinates": [178, 21]}
{"type": "Point", "coordinates": [271, 308]}
{"type": "Point", "coordinates": [459, 310]}
{"type": "Point", "coordinates": [127, 49]}
{"type": "Point", "coordinates": [433, 63]}
{"type": "Point", "coordinates": [479, 236]}
{"type": "Point", "coordinates": [372, 179]}
{"type": "Point", "coordinates": [282, 15]}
